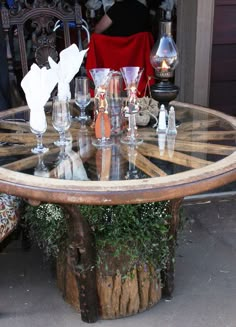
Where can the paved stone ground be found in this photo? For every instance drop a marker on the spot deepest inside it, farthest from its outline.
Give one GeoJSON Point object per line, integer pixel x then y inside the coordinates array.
{"type": "Point", "coordinates": [205, 293]}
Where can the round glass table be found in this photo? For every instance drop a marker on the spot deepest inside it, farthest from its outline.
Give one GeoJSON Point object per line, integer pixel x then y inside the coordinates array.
{"type": "Point", "coordinates": [199, 158]}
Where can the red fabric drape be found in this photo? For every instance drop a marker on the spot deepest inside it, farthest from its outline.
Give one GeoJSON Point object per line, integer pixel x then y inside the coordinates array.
{"type": "Point", "coordinates": [115, 52]}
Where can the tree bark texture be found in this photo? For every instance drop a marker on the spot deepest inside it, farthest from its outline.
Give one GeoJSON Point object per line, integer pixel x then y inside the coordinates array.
{"type": "Point", "coordinates": [80, 262]}
{"type": "Point", "coordinates": [168, 274]}
{"type": "Point", "coordinates": [95, 292]}
{"type": "Point", "coordinates": [118, 297]}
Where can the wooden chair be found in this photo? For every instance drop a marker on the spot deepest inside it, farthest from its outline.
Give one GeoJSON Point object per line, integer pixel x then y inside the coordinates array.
{"type": "Point", "coordinates": [36, 29]}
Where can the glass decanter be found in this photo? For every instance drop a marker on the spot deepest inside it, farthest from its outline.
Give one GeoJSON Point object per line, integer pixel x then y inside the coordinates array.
{"type": "Point", "coordinates": [131, 76]}
{"type": "Point", "coordinates": [101, 78]}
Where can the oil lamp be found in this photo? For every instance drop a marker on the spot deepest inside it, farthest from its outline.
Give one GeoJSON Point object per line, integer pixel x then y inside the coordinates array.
{"type": "Point", "coordinates": [164, 59]}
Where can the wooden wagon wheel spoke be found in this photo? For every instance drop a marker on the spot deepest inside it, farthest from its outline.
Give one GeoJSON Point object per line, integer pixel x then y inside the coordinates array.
{"type": "Point", "coordinates": [204, 147]}
{"type": "Point", "coordinates": [14, 126]}
{"type": "Point", "coordinates": [209, 136]}
{"type": "Point", "coordinates": [22, 164]}
{"type": "Point", "coordinates": [29, 162]}
{"type": "Point", "coordinates": [143, 163]}
{"type": "Point", "coordinates": [150, 150]}
{"type": "Point", "coordinates": [197, 125]}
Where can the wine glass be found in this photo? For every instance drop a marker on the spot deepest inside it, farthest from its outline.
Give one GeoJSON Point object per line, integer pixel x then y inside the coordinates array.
{"type": "Point", "coordinates": [38, 126]}
{"type": "Point", "coordinates": [82, 96]}
{"type": "Point", "coordinates": [61, 119]}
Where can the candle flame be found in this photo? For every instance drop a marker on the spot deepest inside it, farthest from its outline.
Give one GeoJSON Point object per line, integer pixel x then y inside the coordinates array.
{"type": "Point", "coordinates": [164, 66]}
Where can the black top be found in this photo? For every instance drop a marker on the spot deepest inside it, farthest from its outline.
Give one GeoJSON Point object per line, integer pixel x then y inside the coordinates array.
{"type": "Point", "coordinates": [128, 17]}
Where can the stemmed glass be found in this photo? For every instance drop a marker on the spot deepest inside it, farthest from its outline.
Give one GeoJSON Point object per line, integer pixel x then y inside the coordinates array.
{"type": "Point", "coordinates": [61, 119]}
{"type": "Point", "coordinates": [131, 76]}
{"type": "Point", "coordinates": [82, 96]}
{"type": "Point", "coordinates": [38, 126]}
{"type": "Point", "coordinates": [101, 78]}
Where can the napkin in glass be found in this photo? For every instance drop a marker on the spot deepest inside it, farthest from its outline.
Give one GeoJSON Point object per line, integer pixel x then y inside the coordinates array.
{"type": "Point", "coordinates": [38, 84]}
{"type": "Point", "coordinates": [70, 61]}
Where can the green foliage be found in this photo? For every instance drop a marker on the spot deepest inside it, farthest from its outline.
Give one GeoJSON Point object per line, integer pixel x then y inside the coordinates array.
{"type": "Point", "coordinates": [136, 233]}
{"type": "Point", "coordinates": [139, 232]}
{"type": "Point", "coordinates": [47, 227]}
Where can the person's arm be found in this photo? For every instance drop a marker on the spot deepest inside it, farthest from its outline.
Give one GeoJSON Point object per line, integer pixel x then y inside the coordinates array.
{"type": "Point", "coordinates": [103, 24]}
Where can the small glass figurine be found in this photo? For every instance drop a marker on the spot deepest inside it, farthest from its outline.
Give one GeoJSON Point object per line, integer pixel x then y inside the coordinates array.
{"type": "Point", "coordinates": [101, 78]}
{"type": "Point", "coordinates": [131, 76]}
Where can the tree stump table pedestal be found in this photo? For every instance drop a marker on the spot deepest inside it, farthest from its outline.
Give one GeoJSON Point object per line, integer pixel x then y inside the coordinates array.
{"type": "Point", "coordinates": [117, 297]}
{"type": "Point", "coordinates": [113, 294]}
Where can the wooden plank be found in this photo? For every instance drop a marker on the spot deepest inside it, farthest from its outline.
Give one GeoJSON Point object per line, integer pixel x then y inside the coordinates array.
{"type": "Point", "coordinates": [208, 148]}
{"type": "Point", "coordinates": [223, 67]}
{"type": "Point", "coordinates": [26, 137]}
{"type": "Point", "coordinates": [194, 40]}
{"type": "Point", "coordinates": [224, 25]}
{"type": "Point", "coordinates": [196, 135]}
{"type": "Point", "coordinates": [195, 146]}
{"type": "Point", "coordinates": [29, 162]}
{"type": "Point", "coordinates": [22, 164]}
{"type": "Point", "coordinates": [209, 136]}
{"type": "Point", "coordinates": [16, 150]}
{"type": "Point", "coordinates": [197, 125]}
{"type": "Point", "coordinates": [153, 151]}
{"type": "Point", "coordinates": [225, 2]}
{"type": "Point", "coordinates": [11, 112]}
{"type": "Point", "coordinates": [14, 126]}
{"type": "Point", "coordinates": [223, 97]}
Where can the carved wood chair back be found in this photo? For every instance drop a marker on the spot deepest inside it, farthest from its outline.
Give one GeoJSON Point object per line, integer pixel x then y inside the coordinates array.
{"type": "Point", "coordinates": [38, 28]}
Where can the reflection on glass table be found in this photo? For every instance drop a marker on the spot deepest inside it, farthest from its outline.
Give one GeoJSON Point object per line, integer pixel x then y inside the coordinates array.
{"type": "Point", "coordinates": [41, 169]}
{"type": "Point", "coordinates": [203, 138]}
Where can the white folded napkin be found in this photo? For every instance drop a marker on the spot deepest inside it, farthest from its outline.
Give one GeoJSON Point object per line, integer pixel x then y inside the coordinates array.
{"type": "Point", "coordinates": [70, 61]}
{"type": "Point", "coordinates": [38, 84]}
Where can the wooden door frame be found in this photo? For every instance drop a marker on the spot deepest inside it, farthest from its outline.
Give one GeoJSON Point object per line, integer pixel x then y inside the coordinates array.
{"type": "Point", "coordinates": [194, 40]}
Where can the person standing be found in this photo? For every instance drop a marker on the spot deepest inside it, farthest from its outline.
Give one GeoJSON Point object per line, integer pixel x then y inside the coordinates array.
{"type": "Point", "coordinates": [124, 18]}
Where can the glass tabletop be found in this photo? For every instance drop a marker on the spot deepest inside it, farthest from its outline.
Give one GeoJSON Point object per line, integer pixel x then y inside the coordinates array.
{"type": "Point", "coordinates": [200, 157]}
{"type": "Point", "coordinates": [202, 139]}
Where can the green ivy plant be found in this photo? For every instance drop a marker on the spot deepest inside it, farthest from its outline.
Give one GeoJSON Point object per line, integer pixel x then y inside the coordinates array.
{"type": "Point", "coordinates": [126, 235]}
